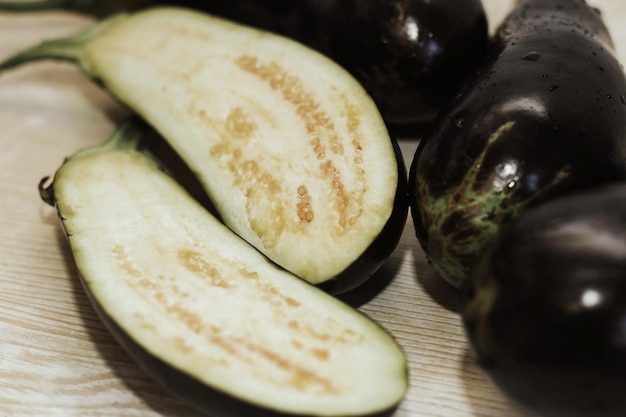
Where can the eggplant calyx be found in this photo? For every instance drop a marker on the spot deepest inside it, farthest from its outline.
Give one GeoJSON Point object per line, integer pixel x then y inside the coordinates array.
{"type": "Point", "coordinates": [462, 221]}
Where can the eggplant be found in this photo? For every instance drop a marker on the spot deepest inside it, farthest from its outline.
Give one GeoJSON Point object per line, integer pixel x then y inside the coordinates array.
{"type": "Point", "coordinates": [544, 115]}
{"type": "Point", "coordinates": [202, 311]}
{"type": "Point", "coordinates": [545, 306]}
{"type": "Point", "coordinates": [410, 55]}
{"type": "Point", "coordinates": [289, 147]}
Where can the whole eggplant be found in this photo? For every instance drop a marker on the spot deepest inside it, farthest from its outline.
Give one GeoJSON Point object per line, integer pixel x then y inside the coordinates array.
{"type": "Point", "coordinates": [410, 55]}
{"type": "Point", "coordinates": [544, 115]}
{"type": "Point", "coordinates": [545, 308]}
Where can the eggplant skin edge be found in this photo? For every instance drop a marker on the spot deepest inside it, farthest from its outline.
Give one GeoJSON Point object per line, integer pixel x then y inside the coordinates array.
{"type": "Point", "coordinates": [200, 396]}
{"type": "Point", "coordinates": [379, 251]}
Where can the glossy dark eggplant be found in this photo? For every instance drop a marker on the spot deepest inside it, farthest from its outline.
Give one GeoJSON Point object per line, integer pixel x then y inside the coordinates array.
{"type": "Point", "coordinates": [289, 147]}
{"type": "Point", "coordinates": [544, 115]}
{"type": "Point", "coordinates": [545, 307]}
{"type": "Point", "coordinates": [202, 311]}
{"type": "Point", "coordinates": [410, 55]}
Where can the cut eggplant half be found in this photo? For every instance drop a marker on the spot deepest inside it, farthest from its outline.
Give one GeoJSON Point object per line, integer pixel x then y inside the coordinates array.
{"type": "Point", "coordinates": [289, 147]}
{"type": "Point", "coordinates": [203, 311]}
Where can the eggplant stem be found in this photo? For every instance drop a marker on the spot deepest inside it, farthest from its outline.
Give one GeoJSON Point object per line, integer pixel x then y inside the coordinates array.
{"type": "Point", "coordinates": [46, 193]}
{"type": "Point", "coordinates": [65, 49]}
{"type": "Point", "coordinates": [125, 138]}
{"type": "Point", "coordinates": [31, 5]}
{"type": "Point", "coordinates": [97, 8]}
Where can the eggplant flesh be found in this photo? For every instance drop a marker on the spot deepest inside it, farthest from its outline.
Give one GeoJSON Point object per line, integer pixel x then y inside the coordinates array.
{"type": "Point", "coordinates": [410, 55]}
{"type": "Point", "coordinates": [544, 115]}
{"type": "Point", "coordinates": [291, 150]}
{"type": "Point", "coordinates": [545, 306]}
{"type": "Point", "coordinates": [204, 312]}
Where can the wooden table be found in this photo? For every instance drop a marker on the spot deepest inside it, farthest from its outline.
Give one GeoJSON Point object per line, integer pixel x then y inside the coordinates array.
{"type": "Point", "coordinates": [57, 359]}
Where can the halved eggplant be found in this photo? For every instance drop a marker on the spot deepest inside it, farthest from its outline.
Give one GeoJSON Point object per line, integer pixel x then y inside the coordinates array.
{"type": "Point", "coordinates": [545, 308]}
{"type": "Point", "coordinates": [204, 312]}
{"type": "Point", "coordinates": [289, 147]}
{"type": "Point", "coordinates": [410, 55]}
{"type": "Point", "coordinates": [544, 115]}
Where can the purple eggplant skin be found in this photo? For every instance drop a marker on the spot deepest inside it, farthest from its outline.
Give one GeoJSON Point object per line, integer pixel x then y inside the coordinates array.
{"type": "Point", "coordinates": [410, 55]}
{"type": "Point", "coordinates": [544, 115]}
{"type": "Point", "coordinates": [545, 308]}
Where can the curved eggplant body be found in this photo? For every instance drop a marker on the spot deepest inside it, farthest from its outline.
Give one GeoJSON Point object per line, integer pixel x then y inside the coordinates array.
{"type": "Point", "coordinates": [546, 305]}
{"type": "Point", "coordinates": [544, 115]}
{"type": "Point", "coordinates": [205, 313]}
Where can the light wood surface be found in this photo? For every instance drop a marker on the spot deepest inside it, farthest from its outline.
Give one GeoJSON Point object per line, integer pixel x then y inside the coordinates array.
{"type": "Point", "coordinates": [57, 359]}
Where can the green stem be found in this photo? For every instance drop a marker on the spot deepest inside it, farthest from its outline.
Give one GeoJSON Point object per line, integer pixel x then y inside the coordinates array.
{"type": "Point", "coordinates": [32, 5]}
{"type": "Point", "coordinates": [96, 8]}
{"type": "Point", "coordinates": [46, 193]}
{"type": "Point", "coordinates": [125, 138]}
{"type": "Point", "coordinates": [70, 49]}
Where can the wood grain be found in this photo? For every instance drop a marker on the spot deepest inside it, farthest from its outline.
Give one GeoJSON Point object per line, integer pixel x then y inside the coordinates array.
{"type": "Point", "coordinates": [57, 359]}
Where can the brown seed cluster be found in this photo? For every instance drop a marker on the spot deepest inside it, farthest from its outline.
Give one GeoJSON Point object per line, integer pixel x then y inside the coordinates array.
{"type": "Point", "coordinates": [325, 142]}
{"type": "Point", "coordinates": [305, 211]}
{"type": "Point", "coordinates": [235, 343]}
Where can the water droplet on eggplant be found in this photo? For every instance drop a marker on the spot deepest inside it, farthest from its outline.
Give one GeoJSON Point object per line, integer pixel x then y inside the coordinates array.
{"type": "Point", "coordinates": [532, 56]}
{"type": "Point", "coordinates": [554, 88]}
